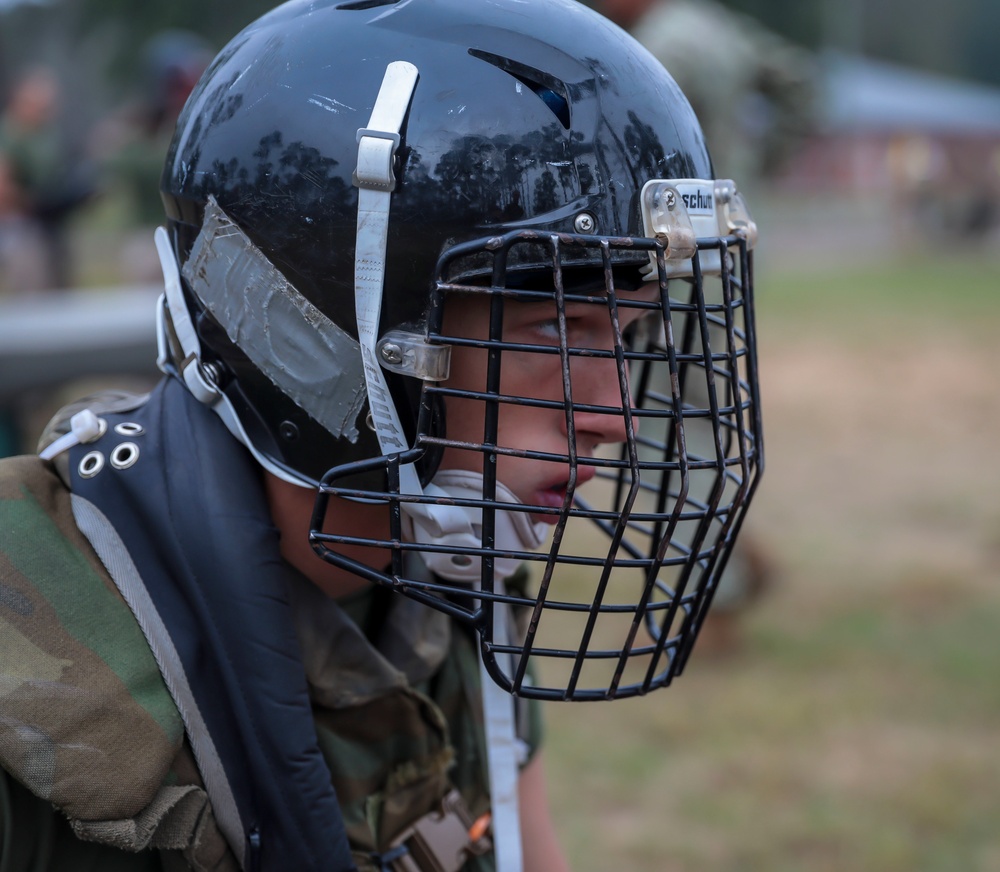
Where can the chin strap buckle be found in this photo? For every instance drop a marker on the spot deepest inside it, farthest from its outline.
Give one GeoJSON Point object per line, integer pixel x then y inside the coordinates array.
{"type": "Point", "coordinates": [440, 841]}
{"type": "Point", "coordinates": [190, 367]}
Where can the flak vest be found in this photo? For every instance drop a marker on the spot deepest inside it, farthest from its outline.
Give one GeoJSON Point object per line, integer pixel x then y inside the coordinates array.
{"type": "Point", "coordinates": [171, 683]}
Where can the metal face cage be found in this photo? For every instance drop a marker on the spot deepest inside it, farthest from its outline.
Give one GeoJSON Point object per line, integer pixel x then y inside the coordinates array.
{"type": "Point", "coordinates": [656, 475]}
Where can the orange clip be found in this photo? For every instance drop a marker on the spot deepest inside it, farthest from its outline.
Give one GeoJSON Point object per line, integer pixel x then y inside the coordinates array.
{"type": "Point", "coordinates": [479, 827]}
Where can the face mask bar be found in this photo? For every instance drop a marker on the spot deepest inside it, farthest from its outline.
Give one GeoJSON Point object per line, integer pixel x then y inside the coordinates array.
{"type": "Point", "coordinates": [657, 456]}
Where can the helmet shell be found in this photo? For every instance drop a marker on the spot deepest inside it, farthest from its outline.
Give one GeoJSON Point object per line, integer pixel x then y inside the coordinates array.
{"type": "Point", "coordinates": [525, 115]}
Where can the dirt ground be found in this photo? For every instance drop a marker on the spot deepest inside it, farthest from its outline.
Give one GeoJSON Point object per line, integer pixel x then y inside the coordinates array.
{"type": "Point", "coordinates": [884, 456]}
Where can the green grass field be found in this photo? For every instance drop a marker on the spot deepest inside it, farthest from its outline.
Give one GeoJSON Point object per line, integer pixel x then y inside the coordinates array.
{"type": "Point", "coordinates": [857, 725]}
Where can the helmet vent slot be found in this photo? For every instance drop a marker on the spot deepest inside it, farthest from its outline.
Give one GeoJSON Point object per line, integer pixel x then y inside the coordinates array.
{"type": "Point", "coordinates": [550, 90]}
{"type": "Point", "coordinates": [365, 4]}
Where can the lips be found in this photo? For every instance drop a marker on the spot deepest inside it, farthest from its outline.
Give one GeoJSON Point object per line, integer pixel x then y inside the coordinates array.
{"type": "Point", "coordinates": [553, 495]}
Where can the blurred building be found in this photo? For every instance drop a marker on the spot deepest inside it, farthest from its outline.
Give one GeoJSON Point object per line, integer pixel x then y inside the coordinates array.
{"type": "Point", "coordinates": [928, 143]}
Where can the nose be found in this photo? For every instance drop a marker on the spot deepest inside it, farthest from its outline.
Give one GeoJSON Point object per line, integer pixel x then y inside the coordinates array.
{"type": "Point", "coordinates": [600, 400]}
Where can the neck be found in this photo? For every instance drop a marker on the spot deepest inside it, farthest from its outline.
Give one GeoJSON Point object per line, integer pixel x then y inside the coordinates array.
{"type": "Point", "coordinates": [291, 510]}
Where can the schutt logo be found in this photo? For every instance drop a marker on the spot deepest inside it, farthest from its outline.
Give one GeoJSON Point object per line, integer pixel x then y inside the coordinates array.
{"type": "Point", "coordinates": [698, 201]}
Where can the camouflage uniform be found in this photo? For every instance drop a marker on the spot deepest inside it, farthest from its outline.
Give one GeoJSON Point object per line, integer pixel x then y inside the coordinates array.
{"type": "Point", "coordinates": [95, 768]}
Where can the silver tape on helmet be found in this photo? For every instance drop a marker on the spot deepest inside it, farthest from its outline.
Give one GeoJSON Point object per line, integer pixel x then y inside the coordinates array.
{"type": "Point", "coordinates": [308, 357]}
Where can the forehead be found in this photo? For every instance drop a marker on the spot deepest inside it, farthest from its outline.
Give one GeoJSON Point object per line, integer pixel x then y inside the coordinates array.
{"type": "Point", "coordinates": [472, 314]}
{"type": "Point", "coordinates": [539, 294]}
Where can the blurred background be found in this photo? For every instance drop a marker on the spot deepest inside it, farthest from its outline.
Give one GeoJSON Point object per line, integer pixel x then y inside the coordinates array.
{"type": "Point", "coordinates": [842, 709]}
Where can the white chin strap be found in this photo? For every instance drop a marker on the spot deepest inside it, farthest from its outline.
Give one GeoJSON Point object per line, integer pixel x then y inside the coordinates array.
{"type": "Point", "coordinates": [375, 179]}
{"type": "Point", "coordinates": [513, 531]}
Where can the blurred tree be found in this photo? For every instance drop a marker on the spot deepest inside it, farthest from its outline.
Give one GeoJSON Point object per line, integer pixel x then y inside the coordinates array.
{"type": "Point", "coordinates": [100, 48]}
{"type": "Point", "coordinates": [979, 43]}
{"type": "Point", "coordinates": [103, 40]}
{"type": "Point", "coordinates": [131, 25]}
{"type": "Point", "coordinates": [955, 38]}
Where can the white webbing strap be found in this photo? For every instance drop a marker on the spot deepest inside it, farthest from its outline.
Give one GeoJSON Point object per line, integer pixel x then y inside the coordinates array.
{"type": "Point", "coordinates": [376, 181]}
{"type": "Point", "coordinates": [184, 330]}
{"type": "Point", "coordinates": [504, 753]}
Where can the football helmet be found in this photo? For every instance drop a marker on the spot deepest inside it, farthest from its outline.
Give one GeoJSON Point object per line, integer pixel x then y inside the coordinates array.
{"type": "Point", "coordinates": [468, 261]}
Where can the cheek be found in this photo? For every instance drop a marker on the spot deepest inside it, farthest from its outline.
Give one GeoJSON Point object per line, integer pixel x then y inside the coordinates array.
{"type": "Point", "coordinates": [531, 429]}
{"type": "Point", "coordinates": [532, 376]}
{"type": "Point", "coordinates": [535, 376]}
{"type": "Point", "coordinates": [468, 373]}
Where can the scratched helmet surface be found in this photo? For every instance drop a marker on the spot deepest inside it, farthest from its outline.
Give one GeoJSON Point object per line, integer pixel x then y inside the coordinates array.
{"type": "Point", "coordinates": [525, 115]}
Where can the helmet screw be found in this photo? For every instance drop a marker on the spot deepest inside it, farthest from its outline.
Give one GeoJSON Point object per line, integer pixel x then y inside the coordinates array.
{"type": "Point", "coordinates": [391, 353]}
{"type": "Point", "coordinates": [584, 223]}
{"type": "Point", "coordinates": [289, 432]}
{"type": "Point", "coordinates": [212, 372]}
{"type": "Point", "coordinates": [671, 200]}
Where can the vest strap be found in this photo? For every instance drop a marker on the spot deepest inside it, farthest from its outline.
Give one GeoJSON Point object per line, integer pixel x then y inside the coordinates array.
{"type": "Point", "coordinates": [440, 841]}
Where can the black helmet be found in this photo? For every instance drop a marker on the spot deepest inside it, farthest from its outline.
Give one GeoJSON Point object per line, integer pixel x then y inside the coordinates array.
{"type": "Point", "coordinates": [535, 115]}
{"type": "Point", "coordinates": [414, 149]}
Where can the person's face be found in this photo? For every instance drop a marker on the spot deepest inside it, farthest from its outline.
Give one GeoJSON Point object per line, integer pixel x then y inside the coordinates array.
{"type": "Point", "coordinates": [35, 102]}
{"type": "Point", "coordinates": [594, 381]}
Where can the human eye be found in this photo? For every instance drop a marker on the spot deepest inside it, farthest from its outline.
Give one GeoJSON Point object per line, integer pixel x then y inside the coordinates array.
{"type": "Point", "coordinates": [533, 323]}
{"type": "Point", "coordinates": [578, 328]}
{"type": "Point", "coordinates": [547, 329]}
{"type": "Point", "coordinates": [541, 324]}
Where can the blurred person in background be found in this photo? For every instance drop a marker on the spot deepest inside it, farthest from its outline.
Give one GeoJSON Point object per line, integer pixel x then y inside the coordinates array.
{"type": "Point", "coordinates": [136, 139]}
{"type": "Point", "coordinates": [753, 91]}
{"type": "Point", "coordinates": [131, 144]}
{"type": "Point", "coordinates": [21, 272]}
{"type": "Point", "coordinates": [22, 250]}
{"type": "Point", "coordinates": [53, 182]}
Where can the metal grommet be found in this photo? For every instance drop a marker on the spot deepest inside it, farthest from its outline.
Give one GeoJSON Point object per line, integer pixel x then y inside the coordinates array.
{"type": "Point", "coordinates": [370, 422]}
{"type": "Point", "coordinates": [585, 223]}
{"type": "Point", "coordinates": [129, 428]}
{"type": "Point", "coordinates": [124, 455]}
{"type": "Point", "coordinates": [90, 464]}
